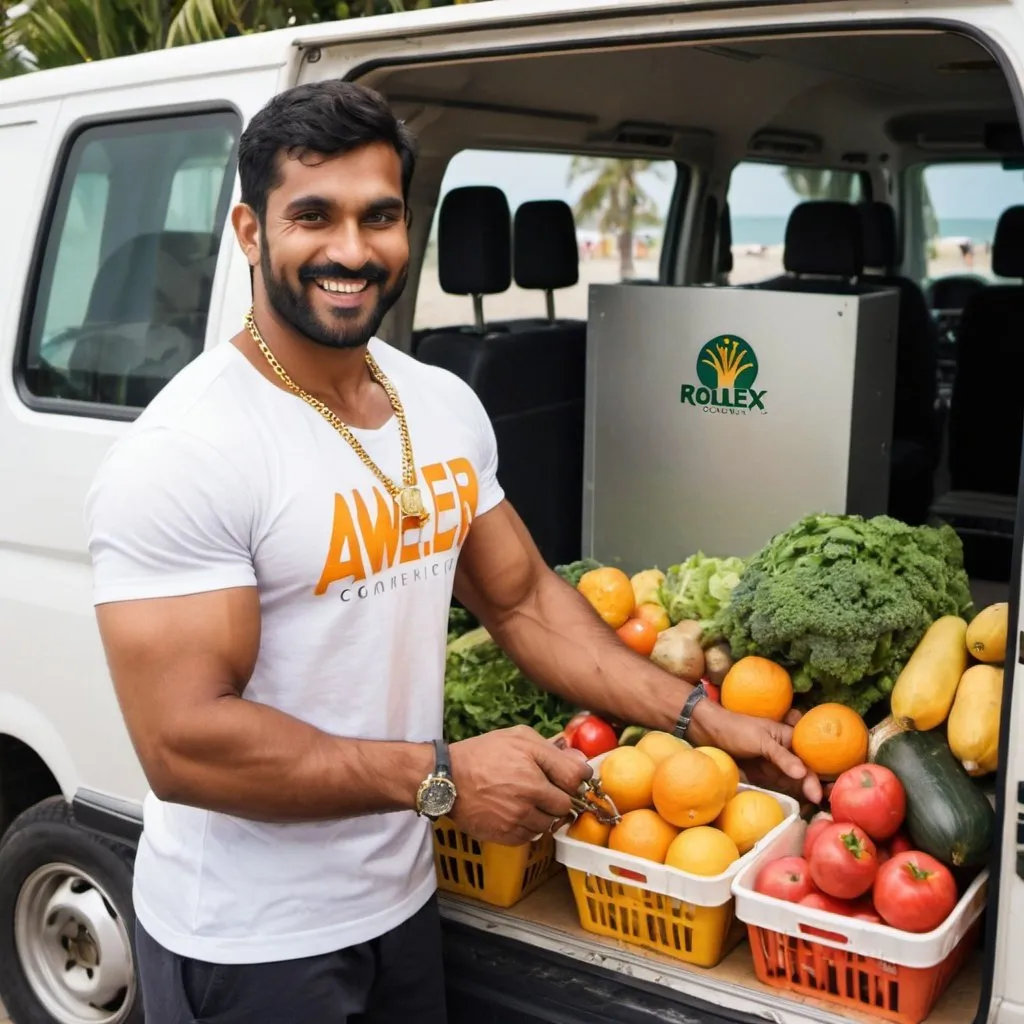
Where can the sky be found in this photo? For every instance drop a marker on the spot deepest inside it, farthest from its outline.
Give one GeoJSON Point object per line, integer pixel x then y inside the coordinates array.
{"type": "Point", "coordinates": [959, 191]}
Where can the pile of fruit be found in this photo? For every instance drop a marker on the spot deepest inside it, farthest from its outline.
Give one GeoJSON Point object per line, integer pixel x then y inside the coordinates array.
{"type": "Point", "coordinates": [856, 862]}
{"type": "Point", "coordinates": [679, 806]}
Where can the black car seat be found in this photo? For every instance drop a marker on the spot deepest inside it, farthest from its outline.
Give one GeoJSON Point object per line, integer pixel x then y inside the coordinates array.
{"type": "Point", "coordinates": [545, 253]}
{"type": "Point", "coordinates": [917, 419]}
{"type": "Point", "coordinates": [529, 375]}
{"type": "Point", "coordinates": [987, 411]}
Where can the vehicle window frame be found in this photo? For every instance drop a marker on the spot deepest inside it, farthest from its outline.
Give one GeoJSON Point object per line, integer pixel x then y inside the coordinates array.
{"type": "Point", "coordinates": [54, 210]}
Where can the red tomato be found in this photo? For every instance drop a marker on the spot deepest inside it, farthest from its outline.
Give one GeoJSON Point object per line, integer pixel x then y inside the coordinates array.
{"type": "Point", "coordinates": [900, 844]}
{"type": "Point", "coordinates": [574, 723]}
{"type": "Point", "coordinates": [786, 879]}
{"type": "Point", "coordinates": [594, 736]}
{"type": "Point", "coordinates": [914, 892]}
{"type": "Point", "coordinates": [822, 901]}
{"type": "Point", "coordinates": [872, 797]}
{"type": "Point", "coordinates": [714, 692]}
{"type": "Point", "coordinates": [818, 823]}
{"type": "Point", "coordinates": [639, 635]}
{"type": "Point", "coordinates": [843, 861]}
{"type": "Point", "coordinates": [864, 910]}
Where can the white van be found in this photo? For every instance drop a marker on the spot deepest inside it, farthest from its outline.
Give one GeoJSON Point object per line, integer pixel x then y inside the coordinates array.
{"type": "Point", "coordinates": [118, 266]}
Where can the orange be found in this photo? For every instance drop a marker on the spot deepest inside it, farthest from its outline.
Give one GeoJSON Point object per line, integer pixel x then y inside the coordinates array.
{"type": "Point", "coordinates": [748, 817]}
{"type": "Point", "coordinates": [689, 789]}
{"type": "Point", "coordinates": [610, 594]}
{"type": "Point", "coordinates": [759, 687]}
{"type": "Point", "coordinates": [727, 766]}
{"type": "Point", "coordinates": [639, 635]}
{"type": "Point", "coordinates": [587, 829]}
{"type": "Point", "coordinates": [830, 739]}
{"type": "Point", "coordinates": [661, 745]}
{"type": "Point", "coordinates": [655, 615]}
{"type": "Point", "coordinates": [643, 833]}
{"type": "Point", "coordinates": [702, 851]}
{"type": "Point", "coordinates": [627, 775]}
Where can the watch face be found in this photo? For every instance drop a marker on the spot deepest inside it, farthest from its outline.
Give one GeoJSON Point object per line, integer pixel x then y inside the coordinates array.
{"type": "Point", "coordinates": [438, 797]}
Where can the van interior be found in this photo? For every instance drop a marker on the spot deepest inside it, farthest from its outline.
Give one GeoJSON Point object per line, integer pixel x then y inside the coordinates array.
{"type": "Point", "coordinates": [861, 120]}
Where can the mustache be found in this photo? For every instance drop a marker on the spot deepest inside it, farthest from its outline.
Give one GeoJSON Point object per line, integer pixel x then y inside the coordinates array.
{"type": "Point", "coordinates": [371, 272]}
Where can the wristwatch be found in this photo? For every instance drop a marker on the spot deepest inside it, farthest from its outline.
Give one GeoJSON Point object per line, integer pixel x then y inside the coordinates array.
{"type": "Point", "coordinates": [683, 722]}
{"type": "Point", "coordinates": [436, 795]}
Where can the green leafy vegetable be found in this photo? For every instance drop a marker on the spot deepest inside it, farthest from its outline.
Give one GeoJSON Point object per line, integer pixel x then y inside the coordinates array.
{"type": "Point", "coordinates": [699, 587]}
{"type": "Point", "coordinates": [574, 571]}
{"type": "Point", "coordinates": [460, 622]}
{"type": "Point", "coordinates": [484, 690]}
{"type": "Point", "coordinates": [843, 602]}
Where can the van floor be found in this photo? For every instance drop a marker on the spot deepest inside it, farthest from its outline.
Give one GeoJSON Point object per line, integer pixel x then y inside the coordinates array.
{"type": "Point", "coordinates": [548, 918]}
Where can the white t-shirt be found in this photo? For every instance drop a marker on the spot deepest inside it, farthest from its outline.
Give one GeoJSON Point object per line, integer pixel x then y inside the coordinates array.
{"type": "Point", "coordinates": [227, 480]}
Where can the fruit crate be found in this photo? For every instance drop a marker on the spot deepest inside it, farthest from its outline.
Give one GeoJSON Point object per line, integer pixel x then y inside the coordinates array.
{"type": "Point", "coordinates": [684, 916]}
{"type": "Point", "coordinates": [890, 974]}
{"type": "Point", "coordinates": [495, 874]}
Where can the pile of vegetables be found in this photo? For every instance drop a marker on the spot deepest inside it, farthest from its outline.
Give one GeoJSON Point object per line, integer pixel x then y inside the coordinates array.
{"type": "Point", "coordinates": [842, 602]}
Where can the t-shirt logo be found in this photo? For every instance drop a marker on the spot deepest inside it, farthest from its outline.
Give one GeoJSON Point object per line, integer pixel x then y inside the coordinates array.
{"type": "Point", "coordinates": [369, 537]}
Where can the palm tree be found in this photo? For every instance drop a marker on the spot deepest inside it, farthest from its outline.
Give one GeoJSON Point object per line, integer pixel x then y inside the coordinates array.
{"type": "Point", "coordinates": [52, 33]}
{"type": "Point", "coordinates": [615, 200]}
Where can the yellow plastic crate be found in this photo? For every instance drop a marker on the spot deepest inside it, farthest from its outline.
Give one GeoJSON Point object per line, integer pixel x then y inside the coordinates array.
{"type": "Point", "coordinates": [698, 935]}
{"type": "Point", "coordinates": [496, 874]}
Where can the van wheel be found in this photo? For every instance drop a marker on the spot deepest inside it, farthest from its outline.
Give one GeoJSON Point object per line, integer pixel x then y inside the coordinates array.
{"type": "Point", "coordinates": [66, 922]}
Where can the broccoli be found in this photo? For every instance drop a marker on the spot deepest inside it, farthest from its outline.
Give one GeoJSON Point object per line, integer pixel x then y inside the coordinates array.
{"type": "Point", "coordinates": [843, 602]}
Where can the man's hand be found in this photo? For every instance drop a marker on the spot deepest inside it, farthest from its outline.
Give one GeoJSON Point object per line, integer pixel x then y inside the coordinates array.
{"type": "Point", "coordinates": [761, 747]}
{"type": "Point", "coordinates": [513, 785]}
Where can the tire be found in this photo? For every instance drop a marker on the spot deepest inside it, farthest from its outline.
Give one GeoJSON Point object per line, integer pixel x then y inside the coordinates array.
{"type": "Point", "coordinates": [67, 924]}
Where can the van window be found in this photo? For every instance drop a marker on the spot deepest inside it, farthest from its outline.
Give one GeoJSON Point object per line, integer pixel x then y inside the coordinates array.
{"type": "Point", "coordinates": [960, 206]}
{"type": "Point", "coordinates": [593, 187]}
{"type": "Point", "coordinates": [123, 287]}
{"type": "Point", "coordinates": [761, 198]}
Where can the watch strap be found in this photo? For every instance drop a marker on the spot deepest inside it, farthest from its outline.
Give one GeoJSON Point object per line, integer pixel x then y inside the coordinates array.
{"type": "Point", "coordinates": [686, 715]}
{"type": "Point", "coordinates": [442, 759]}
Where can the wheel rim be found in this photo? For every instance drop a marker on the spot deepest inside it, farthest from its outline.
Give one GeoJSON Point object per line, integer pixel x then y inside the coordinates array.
{"type": "Point", "coordinates": [74, 947]}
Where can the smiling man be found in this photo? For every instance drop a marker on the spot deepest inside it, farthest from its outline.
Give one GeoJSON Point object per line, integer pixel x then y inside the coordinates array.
{"type": "Point", "coordinates": [276, 542]}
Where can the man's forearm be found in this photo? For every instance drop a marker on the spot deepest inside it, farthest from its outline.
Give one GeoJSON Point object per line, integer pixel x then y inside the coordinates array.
{"type": "Point", "coordinates": [561, 645]}
{"type": "Point", "coordinates": [252, 761]}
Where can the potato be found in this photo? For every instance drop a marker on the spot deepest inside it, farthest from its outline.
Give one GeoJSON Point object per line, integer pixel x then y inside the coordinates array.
{"type": "Point", "coordinates": [679, 654]}
{"type": "Point", "coordinates": [717, 662]}
{"type": "Point", "coordinates": [690, 628]}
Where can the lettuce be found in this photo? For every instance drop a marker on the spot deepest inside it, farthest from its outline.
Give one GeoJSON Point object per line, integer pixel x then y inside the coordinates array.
{"type": "Point", "coordinates": [700, 587]}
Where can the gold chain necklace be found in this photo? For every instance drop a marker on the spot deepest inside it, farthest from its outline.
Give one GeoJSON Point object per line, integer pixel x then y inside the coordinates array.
{"type": "Point", "coordinates": [408, 496]}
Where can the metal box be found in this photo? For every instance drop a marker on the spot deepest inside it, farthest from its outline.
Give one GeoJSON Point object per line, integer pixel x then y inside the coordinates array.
{"type": "Point", "coordinates": [716, 417]}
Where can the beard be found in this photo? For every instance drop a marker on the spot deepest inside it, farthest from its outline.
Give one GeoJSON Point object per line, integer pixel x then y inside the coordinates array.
{"type": "Point", "coordinates": [346, 328]}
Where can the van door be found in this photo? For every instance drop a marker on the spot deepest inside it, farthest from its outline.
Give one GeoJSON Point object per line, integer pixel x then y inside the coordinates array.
{"type": "Point", "coordinates": [122, 251]}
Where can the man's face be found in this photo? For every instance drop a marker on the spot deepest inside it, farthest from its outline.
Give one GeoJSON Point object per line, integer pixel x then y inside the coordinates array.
{"type": "Point", "coordinates": [334, 250]}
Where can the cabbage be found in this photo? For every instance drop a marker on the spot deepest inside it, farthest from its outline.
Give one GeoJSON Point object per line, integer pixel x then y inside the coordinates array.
{"type": "Point", "coordinates": [700, 587]}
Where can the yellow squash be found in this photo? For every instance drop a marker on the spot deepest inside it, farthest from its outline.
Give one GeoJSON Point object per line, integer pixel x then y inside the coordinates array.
{"type": "Point", "coordinates": [925, 689]}
{"type": "Point", "coordinates": [973, 726]}
{"type": "Point", "coordinates": [986, 635]}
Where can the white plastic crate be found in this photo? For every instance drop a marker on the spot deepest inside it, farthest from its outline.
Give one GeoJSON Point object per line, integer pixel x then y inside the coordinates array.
{"type": "Point", "coordinates": [907, 949]}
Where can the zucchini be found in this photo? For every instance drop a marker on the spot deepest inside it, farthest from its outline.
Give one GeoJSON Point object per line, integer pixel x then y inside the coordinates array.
{"type": "Point", "coordinates": [947, 814]}
{"type": "Point", "coordinates": [924, 691]}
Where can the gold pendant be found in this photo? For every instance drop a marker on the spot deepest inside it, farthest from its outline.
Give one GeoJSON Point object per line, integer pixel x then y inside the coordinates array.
{"type": "Point", "coordinates": [410, 501]}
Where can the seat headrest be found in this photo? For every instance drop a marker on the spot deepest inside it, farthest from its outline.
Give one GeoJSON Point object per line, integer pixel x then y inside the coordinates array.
{"type": "Point", "coordinates": [474, 241]}
{"type": "Point", "coordinates": [823, 237]}
{"type": "Point", "coordinates": [1008, 245]}
{"type": "Point", "coordinates": [878, 235]}
{"type": "Point", "coordinates": [546, 255]}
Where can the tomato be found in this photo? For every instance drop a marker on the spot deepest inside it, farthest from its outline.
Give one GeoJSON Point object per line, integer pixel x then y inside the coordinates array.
{"type": "Point", "coordinates": [786, 879]}
{"type": "Point", "coordinates": [574, 723]}
{"type": "Point", "coordinates": [871, 797]}
{"type": "Point", "coordinates": [864, 910]}
{"type": "Point", "coordinates": [639, 634]}
{"type": "Point", "coordinates": [914, 892]}
{"type": "Point", "coordinates": [822, 901]}
{"type": "Point", "coordinates": [594, 736]}
{"type": "Point", "coordinates": [900, 844]}
{"type": "Point", "coordinates": [714, 692]}
{"type": "Point", "coordinates": [814, 829]}
{"type": "Point", "coordinates": [843, 861]}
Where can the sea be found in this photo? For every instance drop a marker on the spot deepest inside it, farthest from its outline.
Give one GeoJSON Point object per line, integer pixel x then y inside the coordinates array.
{"type": "Point", "coordinates": [772, 230]}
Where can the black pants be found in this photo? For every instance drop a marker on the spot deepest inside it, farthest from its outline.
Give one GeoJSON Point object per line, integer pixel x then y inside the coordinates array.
{"type": "Point", "coordinates": [395, 979]}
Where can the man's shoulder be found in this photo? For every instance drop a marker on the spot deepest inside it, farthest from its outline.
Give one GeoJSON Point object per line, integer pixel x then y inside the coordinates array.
{"type": "Point", "coordinates": [435, 379]}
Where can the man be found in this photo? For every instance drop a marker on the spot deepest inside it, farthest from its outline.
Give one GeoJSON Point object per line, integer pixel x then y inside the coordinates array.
{"type": "Point", "coordinates": [276, 543]}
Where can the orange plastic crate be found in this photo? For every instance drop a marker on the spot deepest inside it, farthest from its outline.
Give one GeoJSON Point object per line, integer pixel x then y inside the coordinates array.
{"type": "Point", "coordinates": [904, 995]}
{"type": "Point", "coordinates": [496, 874]}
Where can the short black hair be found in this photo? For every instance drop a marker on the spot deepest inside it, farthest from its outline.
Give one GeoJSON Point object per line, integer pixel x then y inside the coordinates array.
{"type": "Point", "coordinates": [326, 118]}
